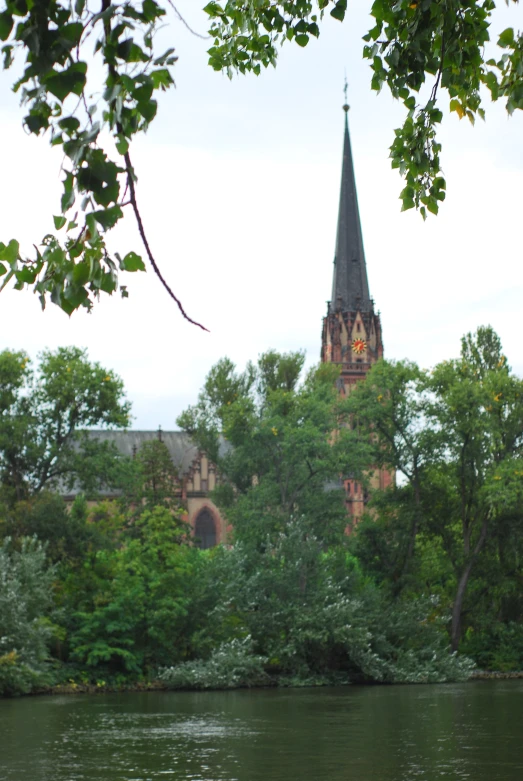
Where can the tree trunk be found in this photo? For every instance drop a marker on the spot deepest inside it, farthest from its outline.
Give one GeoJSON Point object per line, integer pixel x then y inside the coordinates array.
{"type": "Point", "coordinates": [455, 632]}
{"type": "Point", "coordinates": [414, 529]}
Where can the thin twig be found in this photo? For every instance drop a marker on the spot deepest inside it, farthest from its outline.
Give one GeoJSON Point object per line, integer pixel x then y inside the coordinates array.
{"type": "Point", "coordinates": [180, 17]}
{"type": "Point", "coordinates": [132, 197]}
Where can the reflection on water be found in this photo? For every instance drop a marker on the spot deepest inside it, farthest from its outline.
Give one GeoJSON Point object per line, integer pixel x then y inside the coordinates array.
{"type": "Point", "coordinates": [405, 733]}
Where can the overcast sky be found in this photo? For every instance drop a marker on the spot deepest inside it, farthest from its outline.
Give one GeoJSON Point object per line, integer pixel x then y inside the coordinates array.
{"type": "Point", "coordinates": [239, 186]}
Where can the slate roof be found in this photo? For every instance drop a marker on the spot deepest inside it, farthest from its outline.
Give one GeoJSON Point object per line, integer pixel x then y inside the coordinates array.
{"type": "Point", "coordinates": [182, 450]}
{"type": "Point", "coordinates": [350, 286]}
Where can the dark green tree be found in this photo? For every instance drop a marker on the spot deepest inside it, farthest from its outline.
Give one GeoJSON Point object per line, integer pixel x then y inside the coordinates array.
{"type": "Point", "coordinates": [140, 615]}
{"type": "Point", "coordinates": [273, 437]}
{"type": "Point", "coordinates": [479, 407]}
{"type": "Point", "coordinates": [157, 479]}
{"type": "Point", "coordinates": [44, 419]}
{"type": "Point", "coordinates": [456, 434]}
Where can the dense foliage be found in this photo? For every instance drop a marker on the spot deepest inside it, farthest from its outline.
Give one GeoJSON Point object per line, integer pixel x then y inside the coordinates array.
{"type": "Point", "coordinates": [454, 524]}
{"type": "Point", "coordinates": [94, 106]}
{"type": "Point", "coordinates": [113, 593]}
{"type": "Point", "coordinates": [44, 414]}
{"type": "Point", "coordinates": [25, 602]}
{"type": "Point", "coordinates": [289, 584]}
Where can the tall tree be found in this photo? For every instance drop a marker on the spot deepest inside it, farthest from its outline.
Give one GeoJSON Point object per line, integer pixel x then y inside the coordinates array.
{"type": "Point", "coordinates": [390, 407]}
{"type": "Point", "coordinates": [479, 406]}
{"type": "Point", "coordinates": [44, 417]}
{"type": "Point", "coordinates": [456, 433]}
{"type": "Point", "coordinates": [271, 436]}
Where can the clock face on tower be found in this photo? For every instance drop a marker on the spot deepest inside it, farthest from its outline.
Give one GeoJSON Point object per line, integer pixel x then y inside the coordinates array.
{"type": "Point", "coordinates": [359, 346]}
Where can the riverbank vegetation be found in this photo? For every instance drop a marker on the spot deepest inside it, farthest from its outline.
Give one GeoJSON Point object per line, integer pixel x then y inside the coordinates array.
{"type": "Point", "coordinates": [117, 593]}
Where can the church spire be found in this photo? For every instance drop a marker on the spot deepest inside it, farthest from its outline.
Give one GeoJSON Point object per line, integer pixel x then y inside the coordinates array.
{"type": "Point", "coordinates": [350, 287]}
{"type": "Point", "coordinates": [351, 335]}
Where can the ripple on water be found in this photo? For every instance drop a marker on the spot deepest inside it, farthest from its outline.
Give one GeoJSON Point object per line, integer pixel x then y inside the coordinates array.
{"type": "Point", "coordinates": [425, 733]}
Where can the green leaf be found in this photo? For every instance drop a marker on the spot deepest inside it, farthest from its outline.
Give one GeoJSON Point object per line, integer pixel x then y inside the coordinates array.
{"type": "Point", "coordinates": [147, 109]}
{"type": "Point", "coordinates": [26, 275]}
{"type": "Point", "coordinates": [3, 269]}
{"type": "Point", "coordinates": [90, 221]}
{"type": "Point", "coordinates": [108, 218]}
{"type": "Point", "coordinates": [152, 10]}
{"type": "Point", "coordinates": [69, 124]}
{"type": "Point", "coordinates": [338, 13]}
{"type": "Point", "coordinates": [36, 122]}
{"type": "Point", "coordinates": [162, 79]}
{"type": "Point", "coordinates": [108, 283]}
{"type": "Point", "coordinates": [59, 222]}
{"type": "Point", "coordinates": [68, 194]}
{"type": "Point", "coordinates": [132, 262]}
{"type": "Point", "coordinates": [129, 51]}
{"type": "Point", "coordinates": [122, 145]}
{"type": "Point", "coordinates": [302, 39]}
{"type": "Point", "coordinates": [62, 83]}
{"type": "Point", "coordinates": [72, 32]}
{"type": "Point", "coordinates": [144, 90]}
{"type": "Point", "coordinates": [73, 297]}
{"type": "Point", "coordinates": [6, 25]}
{"type": "Point", "coordinates": [506, 38]}
{"type": "Point", "coordinates": [11, 252]}
{"type": "Point", "coordinates": [81, 273]}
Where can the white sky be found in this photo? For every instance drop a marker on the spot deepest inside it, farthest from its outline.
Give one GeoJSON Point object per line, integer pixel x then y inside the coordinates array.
{"type": "Point", "coordinates": [238, 188]}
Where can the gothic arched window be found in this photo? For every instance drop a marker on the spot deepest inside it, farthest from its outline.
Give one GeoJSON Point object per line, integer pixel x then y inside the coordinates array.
{"type": "Point", "coordinates": [205, 530]}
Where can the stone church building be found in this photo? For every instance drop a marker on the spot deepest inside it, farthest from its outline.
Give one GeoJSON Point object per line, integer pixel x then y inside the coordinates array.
{"type": "Point", "coordinates": [351, 338]}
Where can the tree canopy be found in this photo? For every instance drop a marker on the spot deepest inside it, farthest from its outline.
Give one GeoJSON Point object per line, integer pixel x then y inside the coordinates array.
{"type": "Point", "coordinates": [456, 435]}
{"type": "Point", "coordinates": [94, 106]}
{"type": "Point", "coordinates": [44, 417]}
{"type": "Point", "coordinates": [291, 598]}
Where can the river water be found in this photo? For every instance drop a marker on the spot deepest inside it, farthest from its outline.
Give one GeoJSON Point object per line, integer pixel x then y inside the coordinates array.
{"type": "Point", "coordinates": [382, 733]}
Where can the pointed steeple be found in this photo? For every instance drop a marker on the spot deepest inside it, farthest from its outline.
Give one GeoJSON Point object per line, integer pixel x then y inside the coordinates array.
{"type": "Point", "coordinates": [350, 287]}
{"type": "Point", "coordinates": [351, 335]}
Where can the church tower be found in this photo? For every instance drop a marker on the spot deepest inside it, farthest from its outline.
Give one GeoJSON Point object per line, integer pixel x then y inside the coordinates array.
{"type": "Point", "coordinates": [352, 329]}
{"type": "Point", "coordinates": [351, 336]}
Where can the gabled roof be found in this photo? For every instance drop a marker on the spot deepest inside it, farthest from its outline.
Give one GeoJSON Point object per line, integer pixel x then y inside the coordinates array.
{"type": "Point", "coordinates": [181, 448]}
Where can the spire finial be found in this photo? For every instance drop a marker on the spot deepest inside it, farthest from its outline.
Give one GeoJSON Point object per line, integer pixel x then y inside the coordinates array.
{"type": "Point", "coordinates": [345, 88]}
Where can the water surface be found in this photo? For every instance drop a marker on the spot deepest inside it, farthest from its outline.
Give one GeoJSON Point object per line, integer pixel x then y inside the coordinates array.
{"type": "Point", "coordinates": [382, 733]}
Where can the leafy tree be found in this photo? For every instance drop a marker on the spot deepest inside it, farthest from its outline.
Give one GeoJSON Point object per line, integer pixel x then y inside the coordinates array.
{"type": "Point", "coordinates": [289, 584]}
{"type": "Point", "coordinates": [139, 617]}
{"type": "Point", "coordinates": [272, 437]}
{"type": "Point", "coordinates": [390, 408]}
{"type": "Point", "coordinates": [25, 604]}
{"type": "Point", "coordinates": [65, 532]}
{"type": "Point", "coordinates": [409, 44]}
{"type": "Point", "coordinates": [479, 406]}
{"type": "Point", "coordinates": [43, 417]}
{"type": "Point", "coordinates": [464, 442]}
{"type": "Point", "coordinates": [150, 480]}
